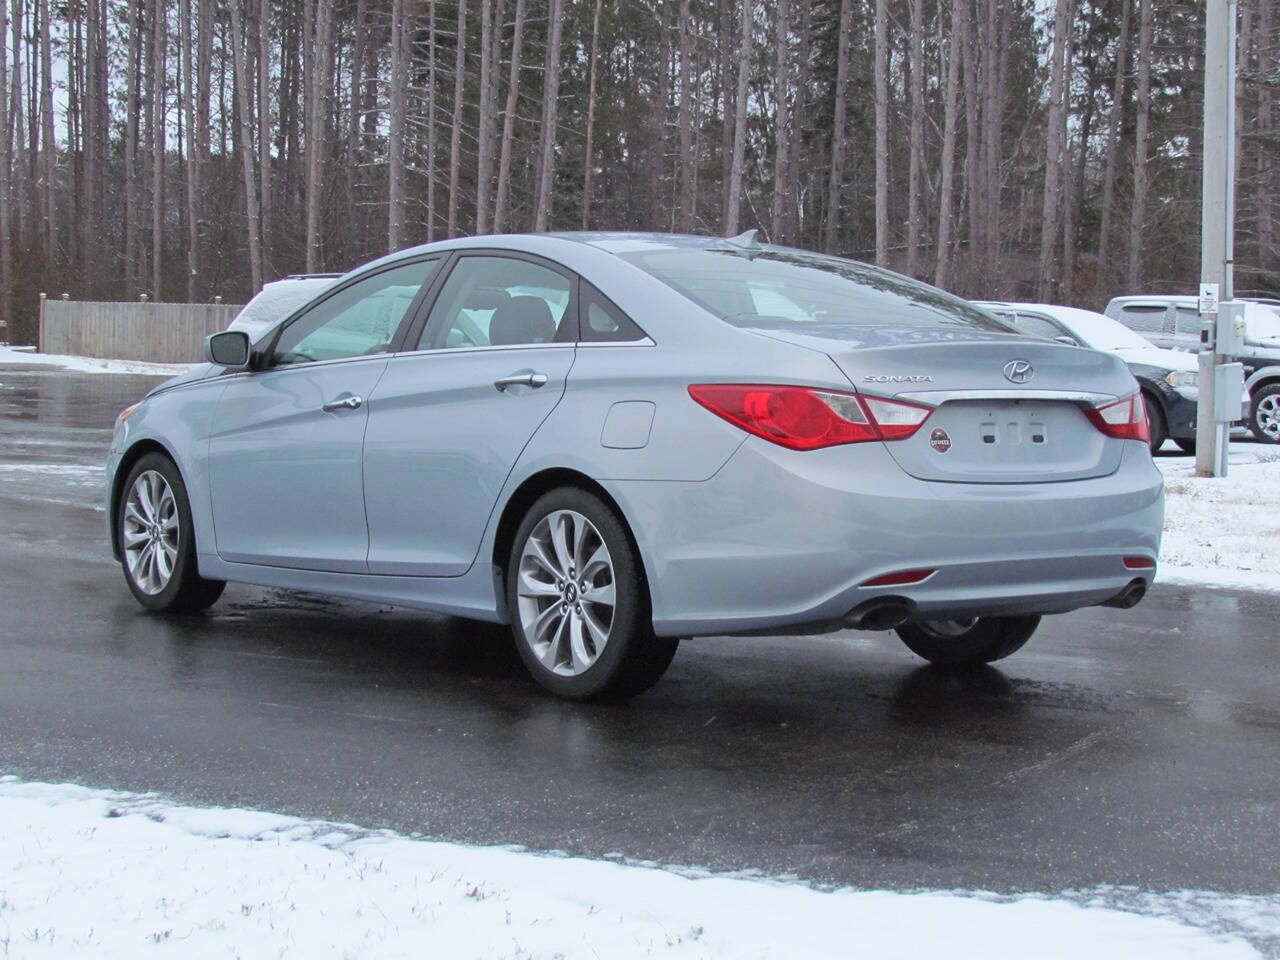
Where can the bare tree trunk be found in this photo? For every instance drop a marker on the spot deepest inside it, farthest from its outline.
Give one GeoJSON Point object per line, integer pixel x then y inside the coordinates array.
{"type": "Point", "coordinates": [484, 142]}
{"type": "Point", "coordinates": [131, 154]}
{"type": "Point", "coordinates": [882, 132]}
{"type": "Point", "coordinates": [799, 169]}
{"type": "Point", "coordinates": [973, 179]}
{"type": "Point", "coordinates": [1265, 186]}
{"type": "Point", "coordinates": [835, 183]}
{"type": "Point", "coordinates": [942, 260]}
{"type": "Point", "coordinates": [431, 121]}
{"type": "Point", "coordinates": [396, 125]}
{"type": "Point", "coordinates": [190, 154]}
{"type": "Point", "coordinates": [455, 141]}
{"type": "Point", "coordinates": [509, 124]}
{"type": "Point", "coordinates": [1138, 215]}
{"type": "Point", "coordinates": [240, 56]}
{"type": "Point", "coordinates": [782, 68]}
{"type": "Point", "coordinates": [550, 106]}
{"type": "Point", "coordinates": [740, 122]}
{"type": "Point", "coordinates": [1052, 199]}
{"type": "Point", "coordinates": [684, 198]}
{"type": "Point", "coordinates": [1114, 125]}
{"type": "Point", "coordinates": [6, 181]}
{"type": "Point", "coordinates": [916, 161]}
{"type": "Point", "coordinates": [316, 138]}
{"type": "Point", "coordinates": [589, 163]}
{"type": "Point", "coordinates": [264, 130]}
{"type": "Point", "coordinates": [723, 45]}
{"type": "Point", "coordinates": [90, 224]}
{"type": "Point", "coordinates": [158, 114]}
{"type": "Point", "coordinates": [50, 149]}
{"type": "Point", "coordinates": [991, 116]}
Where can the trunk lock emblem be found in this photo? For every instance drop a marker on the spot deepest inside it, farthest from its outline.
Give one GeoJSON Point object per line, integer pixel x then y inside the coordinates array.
{"type": "Point", "coordinates": [1019, 371]}
{"type": "Point", "coordinates": [940, 441]}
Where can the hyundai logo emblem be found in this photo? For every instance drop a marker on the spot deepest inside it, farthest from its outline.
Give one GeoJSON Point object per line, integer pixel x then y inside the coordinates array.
{"type": "Point", "coordinates": [1018, 371]}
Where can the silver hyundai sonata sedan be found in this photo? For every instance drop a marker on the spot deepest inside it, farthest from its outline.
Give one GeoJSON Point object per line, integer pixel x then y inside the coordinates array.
{"type": "Point", "coordinates": [612, 441]}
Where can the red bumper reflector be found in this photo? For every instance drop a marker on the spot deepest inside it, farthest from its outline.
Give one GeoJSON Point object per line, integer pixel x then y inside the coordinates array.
{"type": "Point", "coordinates": [899, 578]}
{"type": "Point", "coordinates": [1139, 563]}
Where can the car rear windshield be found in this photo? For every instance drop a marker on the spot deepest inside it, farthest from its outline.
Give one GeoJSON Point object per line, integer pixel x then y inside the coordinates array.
{"type": "Point", "coordinates": [773, 288]}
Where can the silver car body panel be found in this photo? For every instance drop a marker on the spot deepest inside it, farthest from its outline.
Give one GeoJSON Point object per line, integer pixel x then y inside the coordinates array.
{"type": "Point", "coordinates": [400, 500]}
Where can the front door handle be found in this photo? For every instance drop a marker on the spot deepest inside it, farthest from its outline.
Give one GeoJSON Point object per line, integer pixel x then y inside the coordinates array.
{"type": "Point", "coordinates": [526, 379]}
{"type": "Point", "coordinates": [343, 403]}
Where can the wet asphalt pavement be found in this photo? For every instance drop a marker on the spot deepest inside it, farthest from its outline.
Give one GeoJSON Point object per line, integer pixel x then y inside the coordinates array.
{"type": "Point", "coordinates": [1119, 747]}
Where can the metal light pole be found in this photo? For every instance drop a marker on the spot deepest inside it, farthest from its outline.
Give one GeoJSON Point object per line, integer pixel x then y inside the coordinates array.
{"type": "Point", "coordinates": [1217, 215]}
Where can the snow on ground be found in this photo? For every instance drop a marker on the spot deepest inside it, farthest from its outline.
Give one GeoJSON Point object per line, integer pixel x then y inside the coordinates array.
{"type": "Point", "coordinates": [27, 356]}
{"type": "Point", "coordinates": [1223, 531]}
{"type": "Point", "coordinates": [103, 874]}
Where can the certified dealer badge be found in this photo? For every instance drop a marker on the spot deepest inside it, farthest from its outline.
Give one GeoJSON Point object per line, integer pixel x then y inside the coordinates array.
{"type": "Point", "coordinates": [940, 441]}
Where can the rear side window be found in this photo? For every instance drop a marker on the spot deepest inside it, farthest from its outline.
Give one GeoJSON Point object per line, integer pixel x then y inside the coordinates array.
{"type": "Point", "coordinates": [602, 321]}
{"type": "Point", "coordinates": [777, 288]}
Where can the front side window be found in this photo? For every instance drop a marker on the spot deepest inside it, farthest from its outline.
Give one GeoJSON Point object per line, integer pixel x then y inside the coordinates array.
{"type": "Point", "coordinates": [492, 301]}
{"type": "Point", "coordinates": [359, 320]}
{"type": "Point", "coordinates": [788, 289]}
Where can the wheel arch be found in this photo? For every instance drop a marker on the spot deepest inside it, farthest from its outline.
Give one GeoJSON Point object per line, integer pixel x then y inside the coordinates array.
{"type": "Point", "coordinates": [128, 459]}
{"type": "Point", "coordinates": [533, 487]}
{"type": "Point", "coordinates": [1262, 377]}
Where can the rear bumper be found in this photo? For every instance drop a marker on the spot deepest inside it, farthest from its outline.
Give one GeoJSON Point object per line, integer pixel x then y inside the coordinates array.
{"type": "Point", "coordinates": [780, 539]}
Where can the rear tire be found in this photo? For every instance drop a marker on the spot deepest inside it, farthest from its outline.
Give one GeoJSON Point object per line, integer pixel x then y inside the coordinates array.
{"type": "Point", "coordinates": [963, 643]}
{"type": "Point", "coordinates": [1155, 423]}
{"type": "Point", "coordinates": [1264, 414]}
{"type": "Point", "coordinates": [157, 540]}
{"type": "Point", "coordinates": [579, 603]}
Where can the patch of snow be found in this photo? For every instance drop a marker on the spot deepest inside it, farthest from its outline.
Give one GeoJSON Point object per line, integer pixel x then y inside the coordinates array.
{"type": "Point", "coordinates": [1223, 531]}
{"type": "Point", "coordinates": [107, 874]}
{"type": "Point", "coordinates": [26, 356]}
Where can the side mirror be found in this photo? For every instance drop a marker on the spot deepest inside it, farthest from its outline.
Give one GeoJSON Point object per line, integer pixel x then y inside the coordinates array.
{"type": "Point", "coordinates": [1069, 341]}
{"type": "Point", "coordinates": [229, 349]}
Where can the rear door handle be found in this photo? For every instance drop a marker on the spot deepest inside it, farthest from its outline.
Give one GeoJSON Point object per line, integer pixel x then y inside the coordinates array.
{"type": "Point", "coordinates": [528, 379]}
{"type": "Point", "coordinates": [343, 403]}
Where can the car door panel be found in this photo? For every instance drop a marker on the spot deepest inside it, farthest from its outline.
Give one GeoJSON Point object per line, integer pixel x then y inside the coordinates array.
{"type": "Point", "coordinates": [286, 470]}
{"type": "Point", "coordinates": [441, 442]}
{"type": "Point", "coordinates": [285, 474]}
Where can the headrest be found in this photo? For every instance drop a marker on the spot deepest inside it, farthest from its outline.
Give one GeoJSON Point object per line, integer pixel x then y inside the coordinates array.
{"type": "Point", "coordinates": [522, 320]}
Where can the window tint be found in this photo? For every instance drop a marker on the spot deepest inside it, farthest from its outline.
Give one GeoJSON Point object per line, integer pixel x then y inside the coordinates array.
{"type": "Point", "coordinates": [603, 322]}
{"type": "Point", "coordinates": [1188, 320]}
{"type": "Point", "coordinates": [358, 321]}
{"type": "Point", "coordinates": [1146, 318]}
{"type": "Point", "coordinates": [775, 288]}
{"type": "Point", "coordinates": [1041, 327]}
{"type": "Point", "coordinates": [499, 301]}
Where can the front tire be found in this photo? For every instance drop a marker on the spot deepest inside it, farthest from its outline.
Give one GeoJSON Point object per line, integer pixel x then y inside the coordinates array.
{"type": "Point", "coordinates": [967, 643]}
{"type": "Point", "coordinates": [1264, 414]}
{"type": "Point", "coordinates": [157, 540]}
{"type": "Point", "coordinates": [578, 601]}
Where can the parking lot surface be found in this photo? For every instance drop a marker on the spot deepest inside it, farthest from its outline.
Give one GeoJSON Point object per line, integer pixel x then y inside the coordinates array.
{"type": "Point", "coordinates": [1133, 747]}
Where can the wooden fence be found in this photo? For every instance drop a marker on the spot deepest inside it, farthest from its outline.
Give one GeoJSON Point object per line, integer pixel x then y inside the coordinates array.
{"type": "Point", "coordinates": [155, 332]}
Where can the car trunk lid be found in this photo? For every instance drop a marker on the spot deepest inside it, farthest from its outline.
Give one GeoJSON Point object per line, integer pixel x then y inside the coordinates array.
{"type": "Point", "coordinates": [1006, 408]}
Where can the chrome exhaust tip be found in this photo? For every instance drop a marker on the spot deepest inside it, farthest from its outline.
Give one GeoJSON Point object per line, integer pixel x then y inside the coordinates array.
{"type": "Point", "coordinates": [1130, 596]}
{"type": "Point", "coordinates": [883, 614]}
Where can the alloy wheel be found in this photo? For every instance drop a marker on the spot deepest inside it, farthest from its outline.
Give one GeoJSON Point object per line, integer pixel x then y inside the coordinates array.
{"type": "Point", "coordinates": [149, 532]}
{"type": "Point", "coordinates": [1267, 417]}
{"type": "Point", "coordinates": [566, 592]}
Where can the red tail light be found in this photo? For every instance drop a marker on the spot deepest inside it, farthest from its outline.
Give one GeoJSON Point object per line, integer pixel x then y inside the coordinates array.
{"type": "Point", "coordinates": [1123, 419]}
{"type": "Point", "coordinates": [803, 418]}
